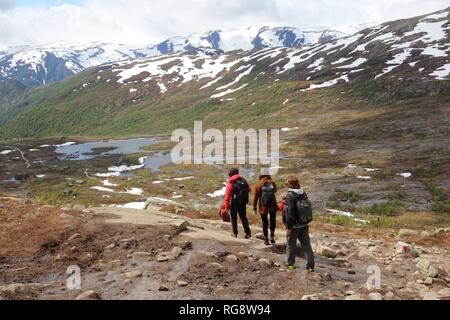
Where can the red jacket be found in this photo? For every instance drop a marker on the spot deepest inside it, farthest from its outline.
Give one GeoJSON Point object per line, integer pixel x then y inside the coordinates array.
{"type": "Point", "coordinates": [229, 193]}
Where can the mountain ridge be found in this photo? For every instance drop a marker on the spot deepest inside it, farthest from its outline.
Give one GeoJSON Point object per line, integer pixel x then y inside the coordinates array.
{"type": "Point", "coordinates": [37, 65]}
{"type": "Point", "coordinates": [404, 59]}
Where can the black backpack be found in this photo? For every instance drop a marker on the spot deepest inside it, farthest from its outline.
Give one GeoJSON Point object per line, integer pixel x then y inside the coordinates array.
{"type": "Point", "coordinates": [304, 209]}
{"type": "Point", "coordinates": [268, 199]}
{"type": "Point", "coordinates": [240, 192]}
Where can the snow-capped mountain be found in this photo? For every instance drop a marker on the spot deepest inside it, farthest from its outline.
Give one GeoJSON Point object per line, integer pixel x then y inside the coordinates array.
{"type": "Point", "coordinates": [398, 60]}
{"type": "Point", "coordinates": [43, 64]}
{"type": "Point", "coordinates": [248, 39]}
{"type": "Point", "coordinates": [418, 48]}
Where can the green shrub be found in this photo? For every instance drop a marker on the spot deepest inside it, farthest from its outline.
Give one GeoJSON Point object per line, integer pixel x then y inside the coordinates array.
{"type": "Point", "coordinates": [441, 207]}
{"type": "Point", "coordinates": [342, 221]}
{"type": "Point", "coordinates": [390, 208]}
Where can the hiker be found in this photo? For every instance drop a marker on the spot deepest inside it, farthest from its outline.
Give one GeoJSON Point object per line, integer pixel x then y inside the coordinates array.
{"type": "Point", "coordinates": [236, 200]}
{"type": "Point", "coordinates": [298, 216]}
{"type": "Point", "coordinates": [265, 201]}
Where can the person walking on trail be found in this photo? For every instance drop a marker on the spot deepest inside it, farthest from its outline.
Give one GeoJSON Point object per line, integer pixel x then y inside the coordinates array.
{"type": "Point", "coordinates": [298, 216]}
{"type": "Point", "coordinates": [265, 202]}
{"type": "Point", "coordinates": [236, 200]}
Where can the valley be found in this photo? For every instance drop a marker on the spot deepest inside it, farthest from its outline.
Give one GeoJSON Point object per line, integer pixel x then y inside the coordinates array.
{"type": "Point", "coordinates": [86, 176]}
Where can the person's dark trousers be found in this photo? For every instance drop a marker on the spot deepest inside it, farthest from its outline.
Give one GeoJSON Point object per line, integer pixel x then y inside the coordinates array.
{"type": "Point", "coordinates": [301, 234]}
{"type": "Point", "coordinates": [242, 212]}
{"type": "Point", "coordinates": [265, 223]}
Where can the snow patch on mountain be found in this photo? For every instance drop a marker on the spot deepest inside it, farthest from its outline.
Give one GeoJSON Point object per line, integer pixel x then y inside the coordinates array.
{"type": "Point", "coordinates": [42, 64]}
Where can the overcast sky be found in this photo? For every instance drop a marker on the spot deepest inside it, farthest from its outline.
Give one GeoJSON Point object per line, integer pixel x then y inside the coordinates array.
{"type": "Point", "coordinates": [152, 21]}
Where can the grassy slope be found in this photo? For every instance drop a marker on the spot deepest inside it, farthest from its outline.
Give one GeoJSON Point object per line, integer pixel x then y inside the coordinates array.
{"type": "Point", "coordinates": [10, 94]}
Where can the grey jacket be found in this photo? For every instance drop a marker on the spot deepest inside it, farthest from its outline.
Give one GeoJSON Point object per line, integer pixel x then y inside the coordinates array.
{"type": "Point", "coordinates": [291, 208]}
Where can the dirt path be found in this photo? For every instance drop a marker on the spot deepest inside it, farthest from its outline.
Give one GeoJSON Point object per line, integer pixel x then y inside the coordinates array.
{"type": "Point", "coordinates": [137, 254]}
{"type": "Point", "coordinates": [22, 154]}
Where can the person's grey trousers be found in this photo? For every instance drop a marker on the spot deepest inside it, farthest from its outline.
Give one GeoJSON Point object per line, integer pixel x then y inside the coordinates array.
{"type": "Point", "coordinates": [301, 234]}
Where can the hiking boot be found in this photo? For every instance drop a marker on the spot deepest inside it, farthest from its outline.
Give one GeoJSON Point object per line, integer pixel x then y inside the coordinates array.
{"type": "Point", "coordinates": [292, 267]}
{"type": "Point", "coordinates": [248, 236]}
{"type": "Point", "coordinates": [272, 240]}
{"type": "Point", "coordinates": [266, 242]}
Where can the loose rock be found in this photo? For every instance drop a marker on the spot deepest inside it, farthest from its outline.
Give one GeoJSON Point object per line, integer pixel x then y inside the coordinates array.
{"type": "Point", "coordinates": [265, 262]}
{"type": "Point", "coordinates": [88, 295]}
{"type": "Point", "coordinates": [427, 269]}
{"type": "Point", "coordinates": [182, 283]}
{"type": "Point", "coordinates": [163, 288]}
{"type": "Point", "coordinates": [327, 252]}
{"type": "Point", "coordinates": [133, 274]}
{"type": "Point", "coordinates": [375, 296]}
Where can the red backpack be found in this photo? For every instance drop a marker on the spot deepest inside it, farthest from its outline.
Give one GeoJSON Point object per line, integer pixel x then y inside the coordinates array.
{"type": "Point", "coordinates": [224, 214]}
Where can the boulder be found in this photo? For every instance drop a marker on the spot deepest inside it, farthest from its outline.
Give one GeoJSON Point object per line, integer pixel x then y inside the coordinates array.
{"type": "Point", "coordinates": [427, 269]}
{"type": "Point", "coordinates": [327, 252]}
{"type": "Point", "coordinates": [405, 248]}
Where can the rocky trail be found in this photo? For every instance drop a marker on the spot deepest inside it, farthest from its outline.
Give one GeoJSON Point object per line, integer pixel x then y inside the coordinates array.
{"type": "Point", "coordinates": [150, 254]}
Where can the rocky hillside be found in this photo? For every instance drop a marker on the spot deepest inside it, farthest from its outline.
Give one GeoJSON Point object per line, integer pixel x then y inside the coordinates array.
{"type": "Point", "coordinates": [148, 255]}
{"type": "Point", "coordinates": [44, 64]}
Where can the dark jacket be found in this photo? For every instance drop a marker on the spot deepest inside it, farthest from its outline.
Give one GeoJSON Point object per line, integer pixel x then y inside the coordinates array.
{"type": "Point", "coordinates": [257, 203]}
{"type": "Point", "coordinates": [290, 209]}
{"type": "Point", "coordinates": [229, 192]}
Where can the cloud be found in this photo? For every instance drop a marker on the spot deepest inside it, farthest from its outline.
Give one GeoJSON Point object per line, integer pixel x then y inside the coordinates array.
{"type": "Point", "coordinates": [7, 4]}
{"type": "Point", "coordinates": [145, 22]}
